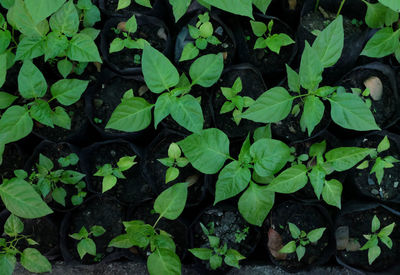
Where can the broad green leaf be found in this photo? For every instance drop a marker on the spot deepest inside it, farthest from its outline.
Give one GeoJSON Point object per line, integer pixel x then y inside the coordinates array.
{"type": "Point", "coordinates": [91, 16]}
{"type": "Point", "coordinates": [131, 24]}
{"type": "Point", "coordinates": [163, 261]}
{"type": "Point", "coordinates": [122, 4]}
{"type": "Point", "coordinates": [332, 192]}
{"type": "Point", "coordinates": [108, 182]}
{"type": "Point", "coordinates": [42, 112]}
{"type": "Point", "coordinates": [290, 180]}
{"type": "Point", "coordinates": [239, 7]}
{"type": "Point", "coordinates": [259, 28]}
{"type": "Point", "coordinates": [349, 111]}
{"type": "Point", "coordinates": [121, 241]}
{"type": "Point", "coordinates": [41, 9]}
{"type": "Point", "coordinates": [312, 113]}
{"type": "Point", "coordinates": [59, 195]}
{"type": "Point", "coordinates": [31, 82]}
{"type": "Point", "coordinates": [201, 253]}
{"type": "Point", "coordinates": [393, 4]}
{"type": "Point", "coordinates": [255, 204]}
{"type": "Point", "coordinates": [131, 115]}
{"type": "Point", "coordinates": [276, 41]}
{"type": "Point", "coordinates": [373, 253]}
{"type": "Point", "coordinates": [344, 158]}
{"type": "Point", "coordinates": [65, 20]}
{"type": "Point", "coordinates": [7, 263]}
{"type": "Point", "coordinates": [116, 45]}
{"type": "Point", "coordinates": [272, 106]}
{"type": "Point", "coordinates": [311, 68]}
{"type": "Point", "coordinates": [68, 91]}
{"type": "Point", "coordinates": [55, 45]}
{"type": "Point", "coordinates": [329, 43]}
{"type": "Point", "coordinates": [187, 112]}
{"type": "Point", "coordinates": [315, 234]}
{"type": "Point", "coordinates": [290, 247]}
{"type": "Point", "coordinates": [86, 246]}
{"type": "Point", "coordinates": [162, 108]}
{"type": "Point", "coordinates": [7, 3]}
{"type": "Point", "coordinates": [179, 8]}
{"type": "Point", "coordinates": [383, 43]}
{"type": "Point", "coordinates": [34, 261]}
{"type": "Point", "coordinates": [317, 180]}
{"type": "Point", "coordinates": [30, 47]}
{"type": "Point", "coordinates": [206, 70]}
{"type": "Point", "coordinates": [232, 180]}
{"type": "Point", "coordinates": [206, 150]}
{"type": "Point", "coordinates": [6, 99]}
{"type": "Point", "coordinates": [13, 226]}
{"type": "Point", "coordinates": [64, 67]}
{"type": "Point", "coordinates": [269, 156]}
{"type": "Point", "coordinates": [15, 124]}
{"type": "Point", "coordinates": [171, 202]}
{"type": "Point", "coordinates": [262, 5]}
{"type": "Point", "coordinates": [171, 174]}
{"type": "Point", "coordinates": [293, 79]}
{"type": "Point", "coordinates": [294, 230]}
{"type": "Point", "coordinates": [378, 15]}
{"type": "Point", "coordinates": [22, 200]}
{"type": "Point", "coordinates": [83, 49]}
{"type": "Point", "coordinates": [61, 118]}
{"type": "Point", "coordinates": [159, 73]}
{"type": "Point", "coordinates": [300, 251]}
{"type": "Point", "coordinates": [145, 3]}
{"type": "Point", "coordinates": [5, 39]}
{"type": "Point", "coordinates": [232, 258]}
{"type": "Point", "coordinates": [189, 52]}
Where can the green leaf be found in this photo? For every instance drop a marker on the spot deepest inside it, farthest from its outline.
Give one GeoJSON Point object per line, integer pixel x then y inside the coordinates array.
{"type": "Point", "coordinates": [162, 108]}
{"type": "Point", "coordinates": [30, 47]}
{"type": "Point", "coordinates": [329, 43]}
{"type": "Point", "coordinates": [171, 174]}
{"type": "Point", "coordinates": [312, 113]}
{"type": "Point", "coordinates": [122, 4]}
{"type": "Point", "coordinates": [259, 28]}
{"type": "Point", "coordinates": [86, 246]}
{"type": "Point", "coordinates": [277, 41]}
{"type": "Point", "coordinates": [387, 230]}
{"type": "Point", "coordinates": [109, 181]}
{"type": "Point", "coordinates": [311, 68]}
{"type": "Point", "coordinates": [97, 230]}
{"type": "Point", "coordinates": [66, 19]}
{"type": "Point", "coordinates": [91, 16]}
{"type": "Point", "coordinates": [7, 263]}
{"type": "Point", "coordinates": [159, 73]}
{"type": "Point", "coordinates": [255, 203]}
{"type": "Point", "coordinates": [262, 5]}
{"type": "Point", "coordinates": [41, 9]}
{"type": "Point", "coordinates": [13, 226]}
{"type": "Point", "coordinates": [7, 3]}
{"type": "Point", "coordinates": [290, 247]}
{"type": "Point", "coordinates": [59, 195]}
{"type": "Point", "coordinates": [293, 79]}
{"type": "Point", "coordinates": [239, 7]}
{"type": "Point", "coordinates": [232, 258]}
{"type": "Point", "coordinates": [378, 15]}
{"type": "Point", "coordinates": [317, 180]}
{"type": "Point", "coordinates": [375, 225]}
{"type": "Point", "coordinates": [68, 91]}
{"type": "Point", "coordinates": [383, 43]}
{"type": "Point", "coordinates": [171, 202]}
{"type": "Point", "coordinates": [163, 261]}
{"type": "Point", "coordinates": [393, 4]}
{"type": "Point", "coordinates": [164, 240]}
{"type": "Point", "coordinates": [272, 106]}
{"type": "Point", "coordinates": [34, 261]}
{"type": "Point", "coordinates": [344, 158]}
{"type": "Point", "coordinates": [61, 118]}
{"type": "Point", "coordinates": [316, 234]}
{"type": "Point", "coordinates": [179, 8]}
{"type": "Point", "coordinates": [116, 45]}
{"type": "Point", "coordinates": [121, 241]}
{"type": "Point", "coordinates": [290, 180]}
{"type": "Point", "coordinates": [206, 70]}
{"type": "Point", "coordinates": [189, 52]}
{"type": "Point", "coordinates": [215, 261]}
{"type": "Point", "coordinates": [269, 156]}
{"type": "Point", "coordinates": [3, 71]}
{"type": "Point", "coordinates": [131, 24]}
{"type": "Point", "coordinates": [332, 192]}
{"type": "Point", "coordinates": [350, 112]}
{"type": "Point", "coordinates": [83, 49]}
{"type": "Point", "coordinates": [300, 251]}
{"type": "Point", "coordinates": [42, 112]}
{"type": "Point", "coordinates": [201, 253]}
{"type": "Point", "coordinates": [131, 115]}
{"type": "Point", "coordinates": [64, 67]}
{"type": "Point", "coordinates": [373, 253]}
{"type": "Point", "coordinates": [232, 180]}
{"type": "Point", "coordinates": [187, 112]}
{"type": "Point", "coordinates": [15, 124]}
{"type": "Point", "coordinates": [206, 150]}
{"type": "Point", "coordinates": [294, 230]}
{"type": "Point", "coordinates": [6, 99]}
{"type": "Point", "coordinates": [31, 82]}
{"type": "Point", "coordinates": [383, 145]}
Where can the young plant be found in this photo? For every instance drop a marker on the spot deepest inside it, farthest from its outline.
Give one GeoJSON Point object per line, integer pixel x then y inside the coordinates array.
{"type": "Point", "coordinates": [169, 204]}
{"type": "Point", "coordinates": [217, 251]}
{"type": "Point", "coordinates": [383, 15]}
{"type": "Point", "coordinates": [300, 240]}
{"type": "Point", "coordinates": [377, 235]}
{"type": "Point", "coordinates": [111, 174]}
{"type": "Point", "coordinates": [235, 102]}
{"type": "Point", "coordinates": [347, 109]}
{"type": "Point", "coordinates": [379, 163]}
{"type": "Point", "coordinates": [339, 10]}
{"type": "Point", "coordinates": [266, 39]}
{"type": "Point", "coordinates": [31, 259]}
{"type": "Point", "coordinates": [241, 235]}
{"type": "Point", "coordinates": [122, 4]}
{"type": "Point", "coordinates": [127, 28]}
{"type": "Point", "coordinates": [134, 113]}
{"type": "Point", "coordinates": [86, 245]}
{"type": "Point", "coordinates": [173, 161]}
{"type": "Point", "coordinates": [203, 34]}
{"type": "Point", "coordinates": [47, 181]}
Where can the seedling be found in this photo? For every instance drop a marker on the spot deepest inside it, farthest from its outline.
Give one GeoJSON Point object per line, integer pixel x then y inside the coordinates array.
{"type": "Point", "coordinates": [203, 34]}
{"type": "Point", "coordinates": [217, 252]}
{"type": "Point", "coordinates": [111, 174]}
{"type": "Point", "coordinates": [241, 235]}
{"type": "Point", "coordinates": [379, 163]}
{"type": "Point", "coordinates": [127, 29]}
{"type": "Point", "coordinates": [86, 245]}
{"type": "Point", "coordinates": [122, 4]}
{"type": "Point", "coordinates": [373, 239]}
{"type": "Point", "coordinates": [301, 239]}
{"type": "Point", "coordinates": [266, 39]}
{"type": "Point", "coordinates": [47, 180]}
{"type": "Point", "coordinates": [173, 161]}
{"type": "Point", "coordinates": [235, 102]}
{"type": "Point", "coordinates": [31, 259]}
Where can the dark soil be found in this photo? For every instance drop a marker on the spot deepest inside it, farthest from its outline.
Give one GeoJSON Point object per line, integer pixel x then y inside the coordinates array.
{"type": "Point", "coordinates": [111, 5]}
{"type": "Point", "coordinates": [359, 224]}
{"type": "Point", "coordinates": [13, 159]}
{"type": "Point", "coordinates": [98, 211]}
{"type": "Point", "coordinates": [155, 170]}
{"type": "Point", "coordinates": [253, 86]}
{"type": "Point", "coordinates": [306, 218]}
{"type": "Point", "coordinates": [132, 190]}
{"type": "Point", "coordinates": [152, 33]}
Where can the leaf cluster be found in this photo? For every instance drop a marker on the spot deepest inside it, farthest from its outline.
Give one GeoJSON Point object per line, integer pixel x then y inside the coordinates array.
{"type": "Point", "coordinates": [173, 161]}
{"type": "Point", "coordinates": [86, 245]}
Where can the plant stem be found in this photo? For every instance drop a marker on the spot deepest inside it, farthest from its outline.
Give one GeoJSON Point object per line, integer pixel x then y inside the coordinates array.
{"type": "Point", "coordinates": [159, 218]}
{"type": "Point", "coordinates": [340, 8]}
{"type": "Point", "coordinates": [316, 6]}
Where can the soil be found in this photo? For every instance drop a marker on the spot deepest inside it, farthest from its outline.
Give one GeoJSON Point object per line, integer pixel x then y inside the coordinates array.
{"type": "Point", "coordinates": [155, 171]}
{"type": "Point", "coordinates": [132, 190]}
{"type": "Point", "coordinates": [153, 33]}
{"type": "Point", "coordinates": [13, 159]}
{"type": "Point", "coordinates": [306, 218]}
{"type": "Point", "coordinates": [98, 211]}
{"type": "Point", "coordinates": [383, 110]}
{"type": "Point", "coordinates": [359, 224]}
{"type": "Point", "coordinates": [227, 46]}
{"type": "Point", "coordinates": [367, 183]}
{"type": "Point", "coordinates": [253, 86]}
{"type": "Point", "coordinates": [111, 5]}
{"type": "Point", "coordinates": [227, 222]}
